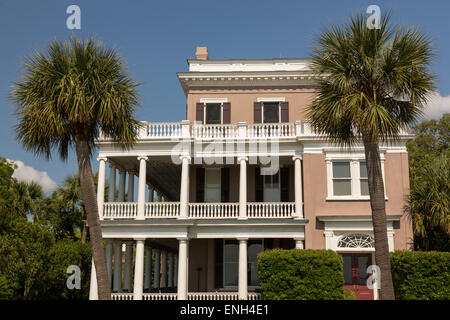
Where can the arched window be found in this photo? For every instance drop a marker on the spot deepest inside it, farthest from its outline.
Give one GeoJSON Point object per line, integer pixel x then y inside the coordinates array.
{"type": "Point", "coordinates": [356, 240]}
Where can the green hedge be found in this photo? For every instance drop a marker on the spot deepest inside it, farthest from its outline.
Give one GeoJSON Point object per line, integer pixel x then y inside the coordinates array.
{"type": "Point", "coordinates": [301, 275]}
{"type": "Point", "coordinates": [421, 275]}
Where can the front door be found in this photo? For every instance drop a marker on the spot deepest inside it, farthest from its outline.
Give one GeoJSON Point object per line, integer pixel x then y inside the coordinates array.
{"type": "Point", "coordinates": [355, 274]}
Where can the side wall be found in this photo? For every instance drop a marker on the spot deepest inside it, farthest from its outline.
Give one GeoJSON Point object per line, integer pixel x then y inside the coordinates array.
{"type": "Point", "coordinates": [315, 203]}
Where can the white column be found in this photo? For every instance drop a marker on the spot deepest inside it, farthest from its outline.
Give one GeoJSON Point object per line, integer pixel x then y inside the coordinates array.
{"type": "Point", "coordinates": [298, 188]}
{"type": "Point", "coordinates": [121, 195]}
{"type": "Point", "coordinates": [243, 188]}
{"type": "Point", "coordinates": [243, 289]}
{"type": "Point", "coordinates": [112, 182]}
{"type": "Point", "coordinates": [299, 243]}
{"type": "Point", "coordinates": [101, 185]}
{"type": "Point", "coordinates": [128, 266]}
{"type": "Point", "coordinates": [93, 290]}
{"type": "Point", "coordinates": [175, 272]}
{"type": "Point", "coordinates": [141, 189]}
{"type": "Point", "coordinates": [139, 270]}
{"type": "Point", "coordinates": [156, 269]}
{"type": "Point", "coordinates": [117, 284]}
{"type": "Point", "coordinates": [170, 277]}
{"type": "Point", "coordinates": [108, 253]}
{"type": "Point", "coordinates": [164, 269]}
{"type": "Point", "coordinates": [148, 268]}
{"type": "Point", "coordinates": [130, 194]}
{"type": "Point", "coordinates": [183, 267]}
{"type": "Point", "coordinates": [150, 193]}
{"type": "Point", "coordinates": [184, 189]}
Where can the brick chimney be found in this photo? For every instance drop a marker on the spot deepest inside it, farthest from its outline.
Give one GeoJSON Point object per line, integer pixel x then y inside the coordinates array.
{"type": "Point", "coordinates": [202, 53]}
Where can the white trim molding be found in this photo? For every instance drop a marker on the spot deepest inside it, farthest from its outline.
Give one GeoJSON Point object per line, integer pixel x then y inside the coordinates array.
{"type": "Point", "coordinates": [277, 99]}
{"type": "Point", "coordinates": [339, 227]}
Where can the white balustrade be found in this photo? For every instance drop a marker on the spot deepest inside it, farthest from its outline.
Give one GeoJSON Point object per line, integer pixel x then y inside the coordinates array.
{"type": "Point", "coordinates": [119, 210]}
{"type": "Point", "coordinates": [214, 131]}
{"type": "Point", "coordinates": [213, 210]}
{"type": "Point", "coordinates": [162, 209]}
{"type": "Point", "coordinates": [191, 296]}
{"type": "Point", "coordinates": [163, 130]}
{"type": "Point", "coordinates": [271, 130]}
{"type": "Point", "coordinates": [270, 209]}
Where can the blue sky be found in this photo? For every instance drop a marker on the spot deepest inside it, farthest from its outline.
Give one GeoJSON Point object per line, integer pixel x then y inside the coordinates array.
{"type": "Point", "coordinates": [156, 38]}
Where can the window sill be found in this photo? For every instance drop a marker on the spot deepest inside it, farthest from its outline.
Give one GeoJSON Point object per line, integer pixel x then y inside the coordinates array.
{"type": "Point", "coordinates": [350, 198]}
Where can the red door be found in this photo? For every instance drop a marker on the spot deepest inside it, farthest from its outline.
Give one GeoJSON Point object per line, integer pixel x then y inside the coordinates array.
{"type": "Point", "coordinates": [355, 274]}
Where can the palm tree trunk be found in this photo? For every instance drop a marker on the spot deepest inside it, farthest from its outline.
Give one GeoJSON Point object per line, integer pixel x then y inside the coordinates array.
{"type": "Point", "coordinates": [378, 205]}
{"type": "Point", "coordinates": [90, 203]}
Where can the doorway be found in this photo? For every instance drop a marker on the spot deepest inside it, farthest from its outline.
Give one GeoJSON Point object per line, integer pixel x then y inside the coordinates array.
{"type": "Point", "coordinates": [355, 274]}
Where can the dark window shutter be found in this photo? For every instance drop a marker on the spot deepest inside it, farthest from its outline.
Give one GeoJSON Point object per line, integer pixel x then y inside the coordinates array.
{"type": "Point", "coordinates": [199, 110]}
{"type": "Point", "coordinates": [226, 113]}
{"type": "Point", "coordinates": [200, 182]}
{"type": "Point", "coordinates": [218, 263]}
{"type": "Point", "coordinates": [225, 185]}
{"type": "Point", "coordinates": [284, 184]}
{"type": "Point", "coordinates": [284, 111]}
{"type": "Point", "coordinates": [259, 188]}
{"type": "Point", "coordinates": [257, 112]}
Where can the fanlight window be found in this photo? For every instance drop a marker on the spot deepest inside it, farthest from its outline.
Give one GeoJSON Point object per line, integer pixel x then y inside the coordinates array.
{"type": "Point", "coordinates": [356, 241]}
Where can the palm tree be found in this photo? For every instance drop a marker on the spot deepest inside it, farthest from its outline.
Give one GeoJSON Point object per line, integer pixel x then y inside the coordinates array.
{"type": "Point", "coordinates": [375, 83]}
{"type": "Point", "coordinates": [65, 97]}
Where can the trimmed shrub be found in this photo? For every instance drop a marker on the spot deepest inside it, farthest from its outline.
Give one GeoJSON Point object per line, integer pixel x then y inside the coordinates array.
{"type": "Point", "coordinates": [301, 275]}
{"type": "Point", "coordinates": [421, 275]}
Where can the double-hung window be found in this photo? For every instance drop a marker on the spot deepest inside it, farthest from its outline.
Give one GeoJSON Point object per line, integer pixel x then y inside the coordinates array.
{"type": "Point", "coordinates": [342, 179]}
{"type": "Point", "coordinates": [348, 179]}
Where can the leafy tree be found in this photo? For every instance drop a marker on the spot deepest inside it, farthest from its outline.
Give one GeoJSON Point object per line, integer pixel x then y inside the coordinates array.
{"type": "Point", "coordinates": [430, 185]}
{"type": "Point", "coordinates": [67, 95]}
{"type": "Point", "coordinates": [376, 82]}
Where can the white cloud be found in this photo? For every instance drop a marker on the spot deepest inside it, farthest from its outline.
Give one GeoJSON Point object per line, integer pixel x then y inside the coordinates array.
{"type": "Point", "coordinates": [437, 106]}
{"type": "Point", "coordinates": [29, 174]}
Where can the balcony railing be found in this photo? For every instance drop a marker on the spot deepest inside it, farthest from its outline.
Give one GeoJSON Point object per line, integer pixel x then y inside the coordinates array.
{"type": "Point", "coordinates": [213, 210]}
{"type": "Point", "coordinates": [187, 130]}
{"type": "Point", "coordinates": [118, 210]}
{"type": "Point", "coordinates": [191, 296]}
{"type": "Point", "coordinates": [162, 210]}
{"type": "Point", "coordinates": [270, 209]}
{"type": "Point", "coordinates": [207, 210]}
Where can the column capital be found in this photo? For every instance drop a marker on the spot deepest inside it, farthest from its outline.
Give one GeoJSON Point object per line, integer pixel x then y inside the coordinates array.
{"type": "Point", "coordinates": [183, 238]}
{"type": "Point", "coordinates": [102, 159]}
{"type": "Point", "coordinates": [139, 239]}
{"type": "Point", "coordinates": [244, 158]}
{"type": "Point", "coordinates": [133, 172]}
{"type": "Point", "coordinates": [121, 170]}
{"type": "Point", "coordinates": [297, 157]}
{"type": "Point", "coordinates": [142, 158]}
{"type": "Point", "coordinates": [112, 165]}
{"type": "Point", "coordinates": [185, 156]}
{"type": "Point", "coordinates": [242, 238]}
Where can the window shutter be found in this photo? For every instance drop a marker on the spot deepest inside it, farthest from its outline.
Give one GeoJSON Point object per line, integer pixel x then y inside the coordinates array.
{"type": "Point", "coordinates": [259, 188]}
{"type": "Point", "coordinates": [284, 106]}
{"type": "Point", "coordinates": [257, 112]}
{"type": "Point", "coordinates": [218, 263]}
{"type": "Point", "coordinates": [199, 111]}
{"type": "Point", "coordinates": [225, 185]}
{"type": "Point", "coordinates": [226, 113]}
{"type": "Point", "coordinates": [200, 182]}
{"type": "Point", "coordinates": [284, 184]}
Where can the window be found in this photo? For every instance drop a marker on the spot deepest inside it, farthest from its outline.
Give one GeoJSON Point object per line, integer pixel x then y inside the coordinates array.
{"type": "Point", "coordinates": [363, 181]}
{"type": "Point", "coordinates": [347, 179]}
{"type": "Point", "coordinates": [213, 114]}
{"type": "Point", "coordinates": [271, 188]}
{"type": "Point", "coordinates": [231, 262]}
{"type": "Point", "coordinates": [342, 178]}
{"type": "Point", "coordinates": [212, 184]}
{"type": "Point", "coordinates": [271, 112]}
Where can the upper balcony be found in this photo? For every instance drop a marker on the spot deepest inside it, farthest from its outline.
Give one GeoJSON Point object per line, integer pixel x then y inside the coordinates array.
{"type": "Point", "coordinates": [185, 130]}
